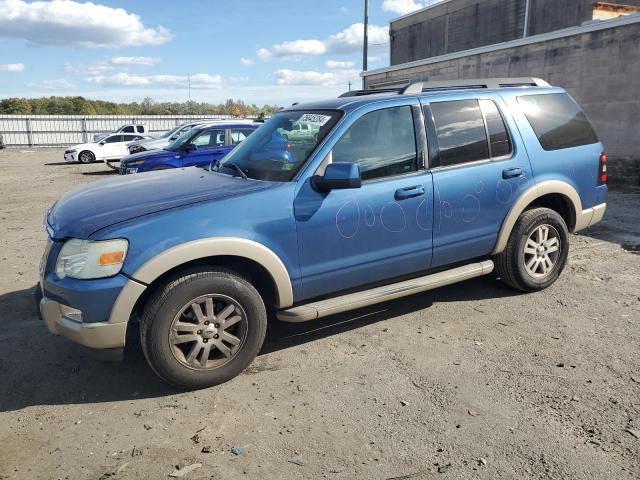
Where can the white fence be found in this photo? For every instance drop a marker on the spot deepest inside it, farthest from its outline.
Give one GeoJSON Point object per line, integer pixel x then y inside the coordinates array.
{"type": "Point", "coordinates": [64, 130]}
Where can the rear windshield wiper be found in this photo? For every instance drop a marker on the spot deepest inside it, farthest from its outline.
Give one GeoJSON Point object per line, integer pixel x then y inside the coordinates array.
{"type": "Point", "coordinates": [237, 168]}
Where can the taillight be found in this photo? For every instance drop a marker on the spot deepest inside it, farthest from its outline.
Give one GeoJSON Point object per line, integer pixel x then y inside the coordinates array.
{"type": "Point", "coordinates": [289, 147]}
{"type": "Point", "coordinates": [602, 169]}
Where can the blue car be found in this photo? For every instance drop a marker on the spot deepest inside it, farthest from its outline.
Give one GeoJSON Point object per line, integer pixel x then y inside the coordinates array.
{"type": "Point", "coordinates": [396, 192]}
{"type": "Point", "coordinates": [200, 147]}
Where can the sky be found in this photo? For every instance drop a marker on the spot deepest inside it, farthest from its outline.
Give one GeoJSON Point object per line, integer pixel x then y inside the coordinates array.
{"type": "Point", "coordinates": [259, 51]}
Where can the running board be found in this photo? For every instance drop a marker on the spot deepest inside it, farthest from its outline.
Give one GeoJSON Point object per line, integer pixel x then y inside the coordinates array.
{"type": "Point", "coordinates": [331, 306]}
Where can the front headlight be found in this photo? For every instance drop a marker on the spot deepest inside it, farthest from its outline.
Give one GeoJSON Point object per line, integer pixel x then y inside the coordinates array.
{"type": "Point", "coordinates": [85, 259]}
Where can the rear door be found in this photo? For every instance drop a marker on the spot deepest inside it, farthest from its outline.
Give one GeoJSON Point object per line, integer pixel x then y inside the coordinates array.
{"type": "Point", "coordinates": [479, 168]}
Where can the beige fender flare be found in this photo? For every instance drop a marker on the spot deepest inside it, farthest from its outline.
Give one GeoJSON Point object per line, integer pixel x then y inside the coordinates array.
{"type": "Point", "coordinates": [583, 218]}
{"type": "Point", "coordinates": [195, 250]}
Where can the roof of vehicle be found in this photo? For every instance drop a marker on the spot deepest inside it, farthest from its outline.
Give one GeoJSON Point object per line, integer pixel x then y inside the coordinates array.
{"type": "Point", "coordinates": [352, 103]}
{"type": "Point", "coordinates": [352, 100]}
{"type": "Point", "coordinates": [205, 126]}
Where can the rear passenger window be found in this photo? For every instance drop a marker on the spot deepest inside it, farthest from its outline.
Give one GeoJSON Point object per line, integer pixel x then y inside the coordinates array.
{"type": "Point", "coordinates": [383, 143]}
{"type": "Point", "coordinates": [557, 121]}
{"type": "Point", "coordinates": [499, 141]}
{"type": "Point", "coordinates": [461, 133]}
{"type": "Point", "coordinates": [238, 136]}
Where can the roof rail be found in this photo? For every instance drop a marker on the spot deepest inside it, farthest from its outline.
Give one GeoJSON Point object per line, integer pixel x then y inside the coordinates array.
{"type": "Point", "coordinates": [486, 83]}
{"type": "Point", "coordinates": [414, 88]}
{"type": "Point", "coordinates": [377, 91]}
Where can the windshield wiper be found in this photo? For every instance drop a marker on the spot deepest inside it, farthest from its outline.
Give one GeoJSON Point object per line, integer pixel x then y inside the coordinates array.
{"type": "Point", "coordinates": [237, 168]}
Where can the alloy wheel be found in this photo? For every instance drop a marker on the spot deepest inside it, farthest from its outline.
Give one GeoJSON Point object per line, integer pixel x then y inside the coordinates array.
{"type": "Point", "coordinates": [208, 332]}
{"type": "Point", "coordinates": [541, 251]}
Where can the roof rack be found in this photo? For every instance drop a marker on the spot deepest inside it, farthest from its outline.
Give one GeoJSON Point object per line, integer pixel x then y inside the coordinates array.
{"type": "Point", "coordinates": [414, 88]}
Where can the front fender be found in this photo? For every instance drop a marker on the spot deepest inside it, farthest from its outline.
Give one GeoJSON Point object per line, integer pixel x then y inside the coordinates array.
{"type": "Point", "coordinates": [220, 246]}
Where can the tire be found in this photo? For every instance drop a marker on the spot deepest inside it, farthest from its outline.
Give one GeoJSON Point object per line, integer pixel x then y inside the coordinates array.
{"type": "Point", "coordinates": [86, 156]}
{"type": "Point", "coordinates": [530, 268]}
{"type": "Point", "coordinates": [168, 347]}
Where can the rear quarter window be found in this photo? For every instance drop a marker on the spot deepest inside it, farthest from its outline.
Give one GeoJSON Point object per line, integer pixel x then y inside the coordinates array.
{"type": "Point", "coordinates": [557, 121]}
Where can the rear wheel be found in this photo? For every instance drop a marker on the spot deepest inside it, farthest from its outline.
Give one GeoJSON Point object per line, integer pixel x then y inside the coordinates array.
{"type": "Point", "coordinates": [536, 252]}
{"type": "Point", "coordinates": [86, 157]}
{"type": "Point", "coordinates": [202, 328]}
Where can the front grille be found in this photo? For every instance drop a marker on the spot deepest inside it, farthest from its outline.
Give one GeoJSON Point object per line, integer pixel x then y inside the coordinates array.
{"type": "Point", "coordinates": [69, 151]}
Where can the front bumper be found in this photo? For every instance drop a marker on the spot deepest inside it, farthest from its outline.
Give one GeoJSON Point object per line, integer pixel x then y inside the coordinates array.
{"type": "Point", "coordinates": [100, 335]}
{"type": "Point", "coordinates": [126, 170]}
{"type": "Point", "coordinates": [71, 157]}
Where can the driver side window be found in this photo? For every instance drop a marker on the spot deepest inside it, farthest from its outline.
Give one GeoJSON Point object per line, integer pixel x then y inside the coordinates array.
{"type": "Point", "coordinates": [383, 143]}
{"type": "Point", "coordinates": [114, 139]}
{"type": "Point", "coordinates": [211, 139]}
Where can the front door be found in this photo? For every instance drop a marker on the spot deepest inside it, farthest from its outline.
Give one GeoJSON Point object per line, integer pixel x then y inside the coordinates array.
{"type": "Point", "coordinates": [479, 168]}
{"type": "Point", "coordinates": [110, 149]}
{"type": "Point", "coordinates": [210, 146]}
{"type": "Point", "coordinates": [355, 237]}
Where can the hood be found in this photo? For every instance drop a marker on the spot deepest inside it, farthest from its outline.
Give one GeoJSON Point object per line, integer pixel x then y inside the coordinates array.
{"type": "Point", "coordinates": [150, 141]}
{"type": "Point", "coordinates": [100, 204]}
{"type": "Point", "coordinates": [148, 155]}
{"type": "Point", "coordinates": [81, 146]}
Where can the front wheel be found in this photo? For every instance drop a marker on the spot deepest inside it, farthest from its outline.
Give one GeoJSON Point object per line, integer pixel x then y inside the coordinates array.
{"type": "Point", "coordinates": [86, 157]}
{"type": "Point", "coordinates": [536, 252]}
{"type": "Point", "coordinates": [202, 328]}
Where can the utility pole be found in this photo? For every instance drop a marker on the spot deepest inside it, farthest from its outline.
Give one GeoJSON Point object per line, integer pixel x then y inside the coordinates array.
{"type": "Point", "coordinates": [189, 102]}
{"type": "Point", "coordinates": [527, 7]}
{"type": "Point", "coordinates": [365, 45]}
{"type": "Point", "coordinates": [349, 85]}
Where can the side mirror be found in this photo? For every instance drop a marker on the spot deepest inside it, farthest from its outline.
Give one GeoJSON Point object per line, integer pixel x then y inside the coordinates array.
{"type": "Point", "coordinates": [102, 143]}
{"type": "Point", "coordinates": [189, 147]}
{"type": "Point", "coordinates": [337, 176]}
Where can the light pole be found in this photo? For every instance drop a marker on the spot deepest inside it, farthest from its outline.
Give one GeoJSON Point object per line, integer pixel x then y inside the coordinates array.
{"type": "Point", "coordinates": [365, 45]}
{"type": "Point", "coordinates": [527, 6]}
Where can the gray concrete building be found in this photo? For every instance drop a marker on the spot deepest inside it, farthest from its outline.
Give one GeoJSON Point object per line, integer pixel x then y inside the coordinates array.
{"type": "Point", "coordinates": [590, 48]}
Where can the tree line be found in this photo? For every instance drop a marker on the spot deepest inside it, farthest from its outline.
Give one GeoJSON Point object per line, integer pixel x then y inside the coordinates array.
{"type": "Point", "coordinates": [85, 106]}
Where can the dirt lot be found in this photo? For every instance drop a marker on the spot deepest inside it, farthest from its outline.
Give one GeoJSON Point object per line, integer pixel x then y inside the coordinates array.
{"type": "Point", "coordinates": [469, 381]}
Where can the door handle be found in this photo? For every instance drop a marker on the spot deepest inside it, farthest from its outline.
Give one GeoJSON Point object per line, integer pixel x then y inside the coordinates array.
{"type": "Point", "coordinates": [512, 172]}
{"type": "Point", "coordinates": [409, 192]}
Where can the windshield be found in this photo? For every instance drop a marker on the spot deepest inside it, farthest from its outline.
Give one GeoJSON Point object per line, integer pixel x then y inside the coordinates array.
{"type": "Point", "coordinates": [180, 141]}
{"type": "Point", "coordinates": [169, 133]}
{"type": "Point", "coordinates": [277, 150]}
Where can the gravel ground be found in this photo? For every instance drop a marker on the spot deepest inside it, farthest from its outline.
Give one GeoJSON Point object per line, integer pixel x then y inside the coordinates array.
{"type": "Point", "coordinates": [468, 381]}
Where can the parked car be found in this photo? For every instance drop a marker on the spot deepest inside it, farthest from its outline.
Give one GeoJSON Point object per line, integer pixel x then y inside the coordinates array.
{"type": "Point", "coordinates": [162, 140]}
{"type": "Point", "coordinates": [128, 128]}
{"type": "Point", "coordinates": [172, 135]}
{"type": "Point", "coordinates": [110, 148]}
{"type": "Point", "coordinates": [300, 132]}
{"type": "Point", "coordinates": [200, 147]}
{"type": "Point", "coordinates": [400, 192]}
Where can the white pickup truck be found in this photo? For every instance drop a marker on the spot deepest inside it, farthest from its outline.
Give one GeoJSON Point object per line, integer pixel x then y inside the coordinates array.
{"type": "Point", "coordinates": [127, 128]}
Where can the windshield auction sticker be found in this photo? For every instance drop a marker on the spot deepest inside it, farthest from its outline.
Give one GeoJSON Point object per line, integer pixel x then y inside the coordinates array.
{"type": "Point", "coordinates": [314, 119]}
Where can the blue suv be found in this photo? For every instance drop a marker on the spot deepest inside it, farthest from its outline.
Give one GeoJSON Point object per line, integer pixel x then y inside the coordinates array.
{"type": "Point", "coordinates": [396, 192]}
{"type": "Point", "coordinates": [200, 147]}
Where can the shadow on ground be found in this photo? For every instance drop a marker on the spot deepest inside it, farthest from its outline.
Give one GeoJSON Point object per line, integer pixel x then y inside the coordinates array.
{"type": "Point", "coordinates": [100, 173]}
{"type": "Point", "coordinates": [619, 224]}
{"type": "Point", "coordinates": [38, 368]}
